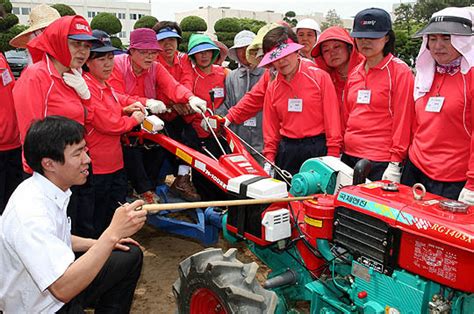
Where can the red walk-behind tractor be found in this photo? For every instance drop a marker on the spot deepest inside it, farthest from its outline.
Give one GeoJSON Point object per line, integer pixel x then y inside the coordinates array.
{"type": "Point", "coordinates": [353, 247]}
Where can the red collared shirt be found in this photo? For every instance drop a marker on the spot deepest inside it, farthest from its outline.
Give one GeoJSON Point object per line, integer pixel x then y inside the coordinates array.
{"type": "Point", "coordinates": [10, 136]}
{"type": "Point", "coordinates": [443, 141]}
{"type": "Point", "coordinates": [41, 92]}
{"type": "Point", "coordinates": [203, 83]}
{"type": "Point", "coordinates": [303, 107]}
{"type": "Point", "coordinates": [379, 130]}
{"type": "Point", "coordinates": [105, 125]}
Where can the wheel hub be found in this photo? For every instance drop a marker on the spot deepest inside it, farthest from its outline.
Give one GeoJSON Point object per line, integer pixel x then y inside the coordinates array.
{"type": "Point", "coordinates": [205, 300]}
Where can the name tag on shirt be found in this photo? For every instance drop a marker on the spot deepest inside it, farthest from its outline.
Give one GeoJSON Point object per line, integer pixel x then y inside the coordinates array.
{"type": "Point", "coordinates": [6, 77]}
{"type": "Point", "coordinates": [434, 104]}
{"type": "Point", "coordinates": [363, 96]}
{"type": "Point", "coordinates": [295, 105]}
{"type": "Point", "coordinates": [251, 122]}
{"type": "Point", "coordinates": [218, 92]}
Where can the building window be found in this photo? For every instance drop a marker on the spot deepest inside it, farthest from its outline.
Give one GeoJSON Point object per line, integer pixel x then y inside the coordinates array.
{"type": "Point", "coordinates": [91, 14]}
{"type": "Point", "coordinates": [133, 16]}
{"type": "Point", "coordinates": [121, 16]}
{"type": "Point", "coordinates": [25, 11]}
{"type": "Point", "coordinates": [16, 10]}
{"type": "Point", "coordinates": [140, 16]}
{"type": "Point", "coordinates": [122, 34]}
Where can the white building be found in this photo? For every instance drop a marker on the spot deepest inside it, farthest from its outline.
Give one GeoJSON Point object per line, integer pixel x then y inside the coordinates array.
{"type": "Point", "coordinates": [127, 12]}
{"type": "Point", "coordinates": [211, 15]}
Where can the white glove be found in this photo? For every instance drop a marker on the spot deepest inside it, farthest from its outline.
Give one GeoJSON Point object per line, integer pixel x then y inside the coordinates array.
{"type": "Point", "coordinates": [197, 104]}
{"type": "Point", "coordinates": [77, 82]}
{"type": "Point", "coordinates": [466, 196]}
{"type": "Point", "coordinates": [156, 106]}
{"type": "Point", "coordinates": [393, 172]}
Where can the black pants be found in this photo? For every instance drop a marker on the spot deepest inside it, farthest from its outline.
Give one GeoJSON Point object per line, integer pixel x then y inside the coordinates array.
{"type": "Point", "coordinates": [11, 174]}
{"type": "Point", "coordinates": [377, 167]}
{"type": "Point", "coordinates": [81, 208]}
{"type": "Point", "coordinates": [113, 288]}
{"type": "Point", "coordinates": [142, 166]}
{"type": "Point", "coordinates": [292, 153]}
{"type": "Point", "coordinates": [110, 190]}
{"type": "Point", "coordinates": [411, 175]}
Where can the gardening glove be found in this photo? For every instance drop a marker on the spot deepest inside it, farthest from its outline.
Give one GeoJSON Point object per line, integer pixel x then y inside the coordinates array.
{"type": "Point", "coordinates": [393, 172]}
{"type": "Point", "coordinates": [77, 82]}
{"type": "Point", "coordinates": [155, 106]}
{"type": "Point", "coordinates": [197, 104]}
{"type": "Point", "coordinates": [466, 196]}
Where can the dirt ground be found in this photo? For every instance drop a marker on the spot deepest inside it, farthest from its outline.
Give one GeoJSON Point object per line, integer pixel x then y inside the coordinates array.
{"type": "Point", "coordinates": [162, 254]}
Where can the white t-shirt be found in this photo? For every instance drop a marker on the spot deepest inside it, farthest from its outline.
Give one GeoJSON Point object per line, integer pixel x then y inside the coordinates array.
{"type": "Point", "coordinates": [35, 246]}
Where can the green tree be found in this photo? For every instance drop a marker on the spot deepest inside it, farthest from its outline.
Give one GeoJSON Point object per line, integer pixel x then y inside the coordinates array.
{"type": "Point", "coordinates": [332, 19]}
{"type": "Point", "coordinates": [116, 42]}
{"type": "Point", "coordinates": [9, 27]}
{"type": "Point", "coordinates": [146, 21]}
{"type": "Point", "coordinates": [290, 18]}
{"type": "Point", "coordinates": [251, 24]}
{"type": "Point", "coordinates": [63, 9]}
{"type": "Point", "coordinates": [189, 25]}
{"type": "Point", "coordinates": [423, 9]}
{"type": "Point", "coordinates": [405, 26]}
{"type": "Point", "coordinates": [107, 22]}
{"type": "Point", "coordinates": [193, 24]}
{"type": "Point", "coordinates": [226, 29]}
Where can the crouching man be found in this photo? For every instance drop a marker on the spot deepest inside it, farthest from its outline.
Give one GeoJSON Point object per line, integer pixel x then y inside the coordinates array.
{"type": "Point", "coordinates": [38, 270]}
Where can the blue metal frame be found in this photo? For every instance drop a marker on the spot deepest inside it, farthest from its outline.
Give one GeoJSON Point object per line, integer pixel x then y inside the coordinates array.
{"type": "Point", "coordinates": [207, 226]}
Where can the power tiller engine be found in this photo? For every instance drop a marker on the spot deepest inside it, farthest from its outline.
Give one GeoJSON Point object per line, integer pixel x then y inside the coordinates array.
{"type": "Point", "coordinates": [375, 247]}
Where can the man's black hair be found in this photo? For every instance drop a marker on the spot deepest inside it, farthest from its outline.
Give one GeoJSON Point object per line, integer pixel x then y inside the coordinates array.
{"type": "Point", "coordinates": [48, 138]}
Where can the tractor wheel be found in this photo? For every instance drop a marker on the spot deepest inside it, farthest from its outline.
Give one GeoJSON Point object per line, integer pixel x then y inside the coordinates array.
{"type": "Point", "coordinates": [213, 282]}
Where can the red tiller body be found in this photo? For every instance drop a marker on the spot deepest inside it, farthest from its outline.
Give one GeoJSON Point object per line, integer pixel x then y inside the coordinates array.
{"type": "Point", "coordinates": [435, 243]}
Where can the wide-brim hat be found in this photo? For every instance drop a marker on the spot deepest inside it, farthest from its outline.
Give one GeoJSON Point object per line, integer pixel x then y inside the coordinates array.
{"type": "Point", "coordinates": [242, 39]}
{"type": "Point", "coordinates": [449, 21]}
{"type": "Point", "coordinates": [280, 51]}
{"type": "Point", "coordinates": [40, 17]}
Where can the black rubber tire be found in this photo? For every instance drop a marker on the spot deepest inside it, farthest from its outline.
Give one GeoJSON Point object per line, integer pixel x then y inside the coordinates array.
{"type": "Point", "coordinates": [232, 281]}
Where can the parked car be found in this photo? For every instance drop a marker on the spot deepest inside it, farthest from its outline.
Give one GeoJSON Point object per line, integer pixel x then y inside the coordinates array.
{"type": "Point", "coordinates": [18, 60]}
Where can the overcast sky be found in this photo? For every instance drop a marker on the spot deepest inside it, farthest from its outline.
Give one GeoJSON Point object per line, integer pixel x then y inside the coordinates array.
{"type": "Point", "coordinates": [164, 10]}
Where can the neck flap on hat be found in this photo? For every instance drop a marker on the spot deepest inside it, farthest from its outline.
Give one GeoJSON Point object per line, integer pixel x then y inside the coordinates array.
{"type": "Point", "coordinates": [426, 65]}
{"type": "Point", "coordinates": [54, 41]}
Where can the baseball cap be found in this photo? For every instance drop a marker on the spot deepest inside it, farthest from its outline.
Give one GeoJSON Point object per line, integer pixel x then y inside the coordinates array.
{"type": "Point", "coordinates": [80, 30]}
{"type": "Point", "coordinates": [104, 44]}
{"type": "Point", "coordinates": [371, 23]}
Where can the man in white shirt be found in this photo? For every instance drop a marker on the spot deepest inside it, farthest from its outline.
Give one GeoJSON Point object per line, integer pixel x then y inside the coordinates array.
{"type": "Point", "coordinates": [38, 270]}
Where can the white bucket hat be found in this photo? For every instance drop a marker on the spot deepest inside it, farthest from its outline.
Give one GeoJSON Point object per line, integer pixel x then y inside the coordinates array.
{"type": "Point", "coordinates": [242, 39]}
{"type": "Point", "coordinates": [40, 17]}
